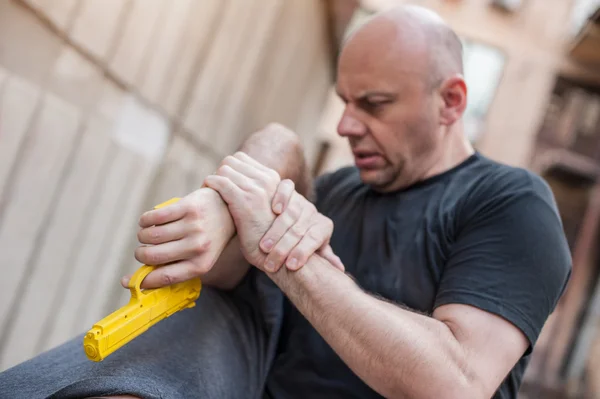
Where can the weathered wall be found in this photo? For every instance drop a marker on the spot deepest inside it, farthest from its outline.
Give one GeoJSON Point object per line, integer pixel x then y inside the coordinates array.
{"type": "Point", "coordinates": [108, 107]}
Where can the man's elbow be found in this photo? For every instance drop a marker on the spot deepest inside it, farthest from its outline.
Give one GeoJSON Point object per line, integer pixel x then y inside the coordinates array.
{"type": "Point", "coordinates": [459, 386]}
{"type": "Point", "coordinates": [467, 386]}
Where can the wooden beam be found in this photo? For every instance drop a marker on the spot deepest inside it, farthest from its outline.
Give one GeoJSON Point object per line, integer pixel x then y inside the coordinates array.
{"type": "Point", "coordinates": [574, 298]}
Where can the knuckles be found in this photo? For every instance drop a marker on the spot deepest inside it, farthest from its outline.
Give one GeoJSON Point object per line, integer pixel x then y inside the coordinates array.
{"type": "Point", "coordinates": [297, 230]}
{"type": "Point", "coordinates": [327, 223]}
{"type": "Point", "coordinates": [288, 218]}
{"type": "Point", "coordinates": [293, 211]}
{"type": "Point", "coordinates": [196, 228]}
{"type": "Point", "coordinates": [148, 257]}
{"type": "Point", "coordinates": [201, 246]}
{"type": "Point", "coordinates": [314, 235]}
{"type": "Point", "coordinates": [224, 169]}
{"type": "Point", "coordinates": [277, 256]}
{"type": "Point", "coordinates": [201, 269]}
{"type": "Point", "coordinates": [167, 278]}
{"type": "Point", "coordinates": [194, 211]}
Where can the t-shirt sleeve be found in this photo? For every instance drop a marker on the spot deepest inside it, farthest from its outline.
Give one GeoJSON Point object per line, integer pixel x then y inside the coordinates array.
{"type": "Point", "coordinates": [510, 257]}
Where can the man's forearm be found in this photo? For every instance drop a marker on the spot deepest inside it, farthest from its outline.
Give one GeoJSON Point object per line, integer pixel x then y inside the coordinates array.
{"type": "Point", "coordinates": [279, 149]}
{"type": "Point", "coordinates": [397, 352]}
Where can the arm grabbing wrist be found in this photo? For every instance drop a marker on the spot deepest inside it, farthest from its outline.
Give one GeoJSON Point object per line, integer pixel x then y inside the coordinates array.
{"type": "Point", "coordinates": [249, 189]}
{"type": "Point", "coordinates": [196, 236]}
{"type": "Point", "coordinates": [277, 148]}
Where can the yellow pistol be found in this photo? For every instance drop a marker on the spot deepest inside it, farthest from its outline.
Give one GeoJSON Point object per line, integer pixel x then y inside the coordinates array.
{"type": "Point", "coordinates": [145, 309]}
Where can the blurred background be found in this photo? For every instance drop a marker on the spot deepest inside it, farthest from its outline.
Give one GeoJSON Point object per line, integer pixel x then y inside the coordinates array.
{"type": "Point", "coordinates": [108, 107]}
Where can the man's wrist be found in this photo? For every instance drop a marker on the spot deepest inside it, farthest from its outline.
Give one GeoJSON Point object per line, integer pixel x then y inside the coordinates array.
{"type": "Point", "coordinates": [227, 230]}
{"type": "Point", "coordinates": [313, 276]}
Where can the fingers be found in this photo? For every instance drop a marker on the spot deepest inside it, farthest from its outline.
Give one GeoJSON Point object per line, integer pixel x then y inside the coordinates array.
{"type": "Point", "coordinates": [282, 196]}
{"type": "Point", "coordinates": [170, 251]}
{"type": "Point", "coordinates": [282, 223]}
{"type": "Point", "coordinates": [236, 177]}
{"type": "Point", "coordinates": [247, 159]}
{"type": "Point", "coordinates": [166, 275]}
{"type": "Point", "coordinates": [162, 233]}
{"type": "Point", "coordinates": [224, 186]}
{"type": "Point", "coordinates": [308, 245]}
{"type": "Point", "coordinates": [278, 255]}
{"type": "Point", "coordinates": [249, 165]}
{"type": "Point", "coordinates": [242, 167]}
{"type": "Point", "coordinates": [167, 214]}
{"type": "Point", "coordinates": [327, 253]}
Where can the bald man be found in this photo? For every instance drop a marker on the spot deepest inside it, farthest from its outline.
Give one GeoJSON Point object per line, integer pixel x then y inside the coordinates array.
{"type": "Point", "coordinates": [446, 264]}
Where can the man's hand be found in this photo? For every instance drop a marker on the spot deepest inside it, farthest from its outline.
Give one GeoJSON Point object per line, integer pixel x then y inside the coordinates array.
{"type": "Point", "coordinates": [186, 237]}
{"type": "Point", "coordinates": [249, 188]}
{"type": "Point", "coordinates": [298, 232]}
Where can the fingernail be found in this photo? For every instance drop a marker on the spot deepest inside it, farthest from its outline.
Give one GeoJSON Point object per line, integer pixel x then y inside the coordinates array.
{"type": "Point", "coordinates": [268, 244]}
{"type": "Point", "coordinates": [270, 266]}
{"type": "Point", "coordinates": [278, 208]}
{"type": "Point", "coordinates": [292, 262]}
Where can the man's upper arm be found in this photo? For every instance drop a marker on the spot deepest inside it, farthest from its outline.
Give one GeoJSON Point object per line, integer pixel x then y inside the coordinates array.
{"type": "Point", "coordinates": [491, 344]}
{"type": "Point", "coordinates": [509, 265]}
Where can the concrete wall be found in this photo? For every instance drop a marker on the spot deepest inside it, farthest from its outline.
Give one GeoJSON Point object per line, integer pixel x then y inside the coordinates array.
{"type": "Point", "coordinates": [108, 107]}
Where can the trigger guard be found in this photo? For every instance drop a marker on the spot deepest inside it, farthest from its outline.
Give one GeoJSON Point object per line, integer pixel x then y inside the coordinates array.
{"type": "Point", "coordinates": [137, 279]}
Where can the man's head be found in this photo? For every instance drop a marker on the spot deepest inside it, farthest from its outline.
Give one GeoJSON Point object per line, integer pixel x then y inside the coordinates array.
{"type": "Point", "coordinates": [400, 75]}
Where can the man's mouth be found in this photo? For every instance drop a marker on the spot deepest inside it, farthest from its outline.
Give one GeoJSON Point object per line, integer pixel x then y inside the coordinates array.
{"type": "Point", "coordinates": [367, 160]}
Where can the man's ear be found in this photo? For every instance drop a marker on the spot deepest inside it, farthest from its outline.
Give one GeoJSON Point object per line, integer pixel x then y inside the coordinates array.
{"type": "Point", "coordinates": [453, 92]}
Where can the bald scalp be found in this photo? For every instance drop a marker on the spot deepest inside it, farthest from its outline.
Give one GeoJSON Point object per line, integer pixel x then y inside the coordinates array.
{"type": "Point", "coordinates": [415, 31]}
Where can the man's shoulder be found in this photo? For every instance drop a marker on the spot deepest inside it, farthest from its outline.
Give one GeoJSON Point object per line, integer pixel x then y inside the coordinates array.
{"type": "Point", "coordinates": [493, 184]}
{"type": "Point", "coordinates": [495, 178]}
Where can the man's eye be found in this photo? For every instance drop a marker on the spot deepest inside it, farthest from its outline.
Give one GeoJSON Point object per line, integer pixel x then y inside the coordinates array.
{"type": "Point", "coordinates": [374, 104]}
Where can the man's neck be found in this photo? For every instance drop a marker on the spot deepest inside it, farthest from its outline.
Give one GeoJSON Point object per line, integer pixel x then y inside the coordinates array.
{"type": "Point", "coordinates": [453, 151]}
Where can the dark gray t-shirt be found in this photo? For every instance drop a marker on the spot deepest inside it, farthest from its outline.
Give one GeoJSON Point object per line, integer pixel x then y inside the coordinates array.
{"type": "Point", "coordinates": [483, 234]}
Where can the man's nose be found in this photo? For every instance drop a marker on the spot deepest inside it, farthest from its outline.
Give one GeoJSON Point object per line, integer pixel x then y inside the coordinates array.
{"type": "Point", "coordinates": [350, 126]}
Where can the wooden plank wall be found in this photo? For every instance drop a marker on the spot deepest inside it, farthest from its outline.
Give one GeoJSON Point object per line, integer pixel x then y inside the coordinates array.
{"type": "Point", "coordinates": [108, 107]}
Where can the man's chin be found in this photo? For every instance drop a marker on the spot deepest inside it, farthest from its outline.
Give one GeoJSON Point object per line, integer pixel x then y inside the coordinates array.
{"type": "Point", "coordinates": [372, 177]}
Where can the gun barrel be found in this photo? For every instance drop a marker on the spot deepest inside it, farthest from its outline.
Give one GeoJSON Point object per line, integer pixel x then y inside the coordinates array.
{"type": "Point", "coordinates": [145, 309]}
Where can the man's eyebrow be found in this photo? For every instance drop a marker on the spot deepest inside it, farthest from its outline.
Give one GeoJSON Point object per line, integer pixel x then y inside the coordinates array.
{"type": "Point", "coordinates": [370, 93]}
{"type": "Point", "coordinates": [376, 93]}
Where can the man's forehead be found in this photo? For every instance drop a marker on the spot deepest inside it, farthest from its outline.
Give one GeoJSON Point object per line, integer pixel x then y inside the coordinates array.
{"type": "Point", "coordinates": [386, 78]}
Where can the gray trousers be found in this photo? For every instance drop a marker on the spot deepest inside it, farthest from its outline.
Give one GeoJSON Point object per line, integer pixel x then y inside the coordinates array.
{"type": "Point", "coordinates": [222, 348]}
